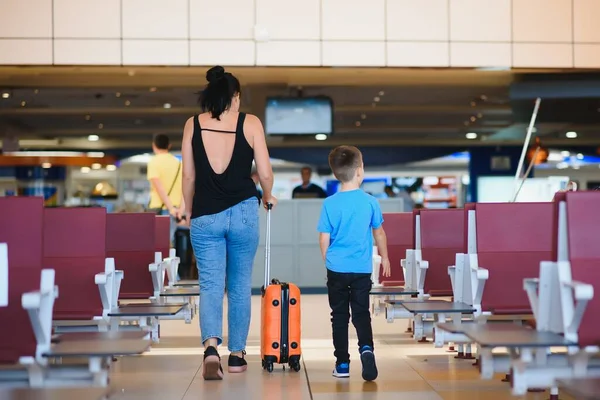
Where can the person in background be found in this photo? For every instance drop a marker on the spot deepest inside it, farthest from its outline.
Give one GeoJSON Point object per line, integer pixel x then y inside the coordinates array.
{"type": "Point", "coordinates": [349, 221]}
{"type": "Point", "coordinates": [389, 191]}
{"type": "Point", "coordinates": [165, 176]}
{"type": "Point", "coordinates": [219, 146]}
{"type": "Point", "coordinates": [308, 189]}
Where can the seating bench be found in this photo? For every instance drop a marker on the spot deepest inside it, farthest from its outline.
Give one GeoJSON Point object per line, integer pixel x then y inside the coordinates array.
{"type": "Point", "coordinates": [565, 309]}
{"type": "Point", "coordinates": [97, 348]}
{"type": "Point", "coordinates": [513, 336]}
{"type": "Point", "coordinates": [506, 243]}
{"type": "Point", "coordinates": [110, 335]}
{"type": "Point", "coordinates": [25, 348]}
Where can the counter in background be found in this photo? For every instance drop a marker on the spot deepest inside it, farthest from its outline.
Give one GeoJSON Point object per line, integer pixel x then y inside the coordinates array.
{"type": "Point", "coordinates": [295, 253]}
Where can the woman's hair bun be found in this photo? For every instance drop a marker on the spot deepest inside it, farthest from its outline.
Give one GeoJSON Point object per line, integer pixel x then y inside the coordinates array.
{"type": "Point", "coordinates": [215, 73]}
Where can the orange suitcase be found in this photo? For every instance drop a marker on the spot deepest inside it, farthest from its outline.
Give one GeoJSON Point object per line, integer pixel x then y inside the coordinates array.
{"type": "Point", "coordinates": [280, 317]}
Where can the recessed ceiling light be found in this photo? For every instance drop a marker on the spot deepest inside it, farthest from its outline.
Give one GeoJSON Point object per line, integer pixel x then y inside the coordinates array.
{"type": "Point", "coordinates": [46, 165]}
{"type": "Point", "coordinates": [118, 94]}
{"type": "Point", "coordinates": [571, 135]}
{"type": "Point", "coordinates": [88, 117]}
{"type": "Point", "coordinates": [5, 95]}
{"type": "Point", "coordinates": [376, 99]}
{"type": "Point", "coordinates": [381, 93]}
{"type": "Point", "coordinates": [471, 135]}
{"type": "Point", "coordinates": [111, 167]}
{"type": "Point", "coordinates": [357, 123]}
{"type": "Point", "coordinates": [96, 166]}
{"type": "Point", "coordinates": [36, 91]}
{"type": "Point", "coordinates": [321, 136]}
{"type": "Point", "coordinates": [153, 89]}
{"type": "Point", "coordinates": [100, 126]}
{"type": "Point", "coordinates": [580, 156]}
{"type": "Point", "coordinates": [23, 103]}
{"type": "Point", "coordinates": [93, 138]}
{"type": "Point", "coordinates": [85, 170]}
{"type": "Point", "coordinates": [167, 105]}
{"type": "Point", "coordinates": [473, 119]}
{"type": "Point", "coordinates": [127, 103]}
{"type": "Point", "coordinates": [363, 116]}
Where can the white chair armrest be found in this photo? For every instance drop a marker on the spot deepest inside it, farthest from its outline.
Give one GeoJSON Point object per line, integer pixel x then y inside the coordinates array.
{"type": "Point", "coordinates": [100, 279]}
{"type": "Point", "coordinates": [482, 274]}
{"type": "Point", "coordinates": [583, 291]}
{"type": "Point", "coordinates": [31, 300]}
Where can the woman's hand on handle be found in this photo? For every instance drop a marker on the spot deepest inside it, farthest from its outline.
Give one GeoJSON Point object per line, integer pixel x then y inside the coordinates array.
{"type": "Point", "coordinates": [271, 200]}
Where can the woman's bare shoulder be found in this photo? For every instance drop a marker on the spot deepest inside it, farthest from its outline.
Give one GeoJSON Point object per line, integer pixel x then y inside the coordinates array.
{"type": "Point", "coordinates": [252, 121]}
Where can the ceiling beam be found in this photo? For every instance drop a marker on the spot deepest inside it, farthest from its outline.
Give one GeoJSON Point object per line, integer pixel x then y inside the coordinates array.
{"type": "Point", "coordinates": [344, 130]}
{"type": "Point", "coordinates": [113, 144]}
{"type": "Point", "coordinates": [139, 111]}
{"type": "Point", "coordinates": [139, 76]}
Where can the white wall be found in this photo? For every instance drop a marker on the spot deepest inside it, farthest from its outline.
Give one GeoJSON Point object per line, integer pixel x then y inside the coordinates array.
{"type": "Point", "coordinates": [394, 33]}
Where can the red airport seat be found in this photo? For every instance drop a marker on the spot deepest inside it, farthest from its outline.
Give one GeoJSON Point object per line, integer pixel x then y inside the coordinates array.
{"type": "Point", "coordinates": [21, 228]}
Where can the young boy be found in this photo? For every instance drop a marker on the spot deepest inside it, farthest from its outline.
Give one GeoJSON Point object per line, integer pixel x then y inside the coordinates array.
{"type": "Point", "coordinates": [349, 220]}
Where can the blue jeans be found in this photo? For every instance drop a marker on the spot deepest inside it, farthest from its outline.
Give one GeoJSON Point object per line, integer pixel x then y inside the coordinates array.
{"type": "Point", "coordinates": [225, 246]}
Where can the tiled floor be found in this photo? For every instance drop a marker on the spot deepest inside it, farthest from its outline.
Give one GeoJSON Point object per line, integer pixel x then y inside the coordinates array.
{"type": "Point", "coordinates": [407, 370]}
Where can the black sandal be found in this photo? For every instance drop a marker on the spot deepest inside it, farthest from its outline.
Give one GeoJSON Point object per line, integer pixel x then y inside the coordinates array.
{"type": "Point", "coordinates": [237, 364]}
{"type": "Point", "coordinates": [211, 367]}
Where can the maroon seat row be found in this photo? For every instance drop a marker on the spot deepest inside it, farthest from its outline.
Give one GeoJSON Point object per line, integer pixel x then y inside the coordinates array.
{"type": "Point", "coordinates": [75, 243]}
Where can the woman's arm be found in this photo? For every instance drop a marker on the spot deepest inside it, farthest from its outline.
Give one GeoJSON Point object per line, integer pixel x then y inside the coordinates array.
{"type": "Point", "coordinates": [261, 157]}
{"type": "Point", "coordinates": [189, 169]}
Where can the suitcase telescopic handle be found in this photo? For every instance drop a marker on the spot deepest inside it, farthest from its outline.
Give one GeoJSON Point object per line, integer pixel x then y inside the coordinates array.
{"type": "Point", "coordinates": [268, 246]}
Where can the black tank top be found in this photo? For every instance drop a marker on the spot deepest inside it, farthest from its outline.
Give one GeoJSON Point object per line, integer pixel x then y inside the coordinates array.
{"type": "Point", "coordinates": [218, 192]}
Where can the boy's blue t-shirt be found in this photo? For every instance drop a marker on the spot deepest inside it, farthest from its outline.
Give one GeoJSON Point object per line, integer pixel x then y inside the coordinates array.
{"type": "Point", "coordinates": [349, 218]}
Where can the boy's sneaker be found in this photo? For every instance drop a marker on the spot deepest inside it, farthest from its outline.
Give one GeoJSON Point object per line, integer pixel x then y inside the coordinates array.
{"type": "Point", "coordinates": [341, 370]}
{"type": "Point", "coordinates": [369, 369]}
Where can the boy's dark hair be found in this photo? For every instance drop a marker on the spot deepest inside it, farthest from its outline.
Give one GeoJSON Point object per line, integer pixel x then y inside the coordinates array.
{"type": "Point", "coordinates": [222, 86]}
{"type": "Point", "coordinates": [343, 161]}
{"type": "Point", "coordinates": [161, 141]}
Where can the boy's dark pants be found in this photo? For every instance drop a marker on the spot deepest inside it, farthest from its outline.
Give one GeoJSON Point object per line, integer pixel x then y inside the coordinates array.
{"type": "Point", "coordinates": [349, 290]}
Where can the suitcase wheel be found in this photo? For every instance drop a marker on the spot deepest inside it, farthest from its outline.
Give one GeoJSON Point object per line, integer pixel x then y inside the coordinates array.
{"type": "Point", "coordinates": [269, 366]}
{"type": "Point", "coordinates": [295, 365]}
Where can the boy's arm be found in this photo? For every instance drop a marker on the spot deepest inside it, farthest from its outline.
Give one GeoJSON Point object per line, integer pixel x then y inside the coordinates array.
{"type": "Point", "coordinates": [324, 239]}
{"type": "Point", "coordinates": [324, 227]}
{"type": "Point", "coordinates": [380, 238]}
{"type": "Point", "coordinates": [381, 242]}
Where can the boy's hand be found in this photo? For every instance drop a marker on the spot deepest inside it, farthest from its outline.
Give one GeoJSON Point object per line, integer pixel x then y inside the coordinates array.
{"type": "Point", "coordinates": [385, 264]}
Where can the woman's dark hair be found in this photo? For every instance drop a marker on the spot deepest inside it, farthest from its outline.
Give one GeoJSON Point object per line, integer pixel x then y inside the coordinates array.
{"type": "Point", "coordinates": [222, 86]}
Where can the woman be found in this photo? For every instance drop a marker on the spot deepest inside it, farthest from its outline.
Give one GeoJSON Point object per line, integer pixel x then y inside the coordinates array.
{"type": "Point", "coordinates": [221, 199]}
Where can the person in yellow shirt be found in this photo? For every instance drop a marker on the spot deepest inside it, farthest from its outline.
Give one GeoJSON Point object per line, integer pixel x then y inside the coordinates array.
{"type": "Point", "coordinates": [165, 174]}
